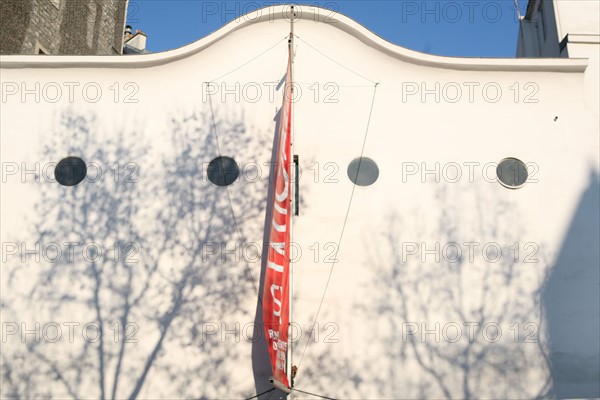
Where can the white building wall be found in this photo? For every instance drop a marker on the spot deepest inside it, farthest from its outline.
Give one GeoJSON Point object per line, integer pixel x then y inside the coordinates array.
{"type": "Point", "coordinates": [390, 310]}
{"type": "Point", "coordinates": [577, 17]}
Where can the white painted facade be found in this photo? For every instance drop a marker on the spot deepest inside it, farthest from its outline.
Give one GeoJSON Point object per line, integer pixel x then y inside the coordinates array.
{"type": "Point", "coordinates": [400, 316]}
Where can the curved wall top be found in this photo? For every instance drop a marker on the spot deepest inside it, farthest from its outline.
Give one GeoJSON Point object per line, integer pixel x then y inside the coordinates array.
{"type": "Point", "coordinates": [316, 14]}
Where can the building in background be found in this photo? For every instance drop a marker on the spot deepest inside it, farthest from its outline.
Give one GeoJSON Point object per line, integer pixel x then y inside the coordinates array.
{"type": "Point", "coordinates": [564, 29]}
{"type": "Point", "coordinates": [559, 29]}
{"type": "Point", "coordinates": [134, 43]}
{"type": "Point", "coordinates": [67, 27]}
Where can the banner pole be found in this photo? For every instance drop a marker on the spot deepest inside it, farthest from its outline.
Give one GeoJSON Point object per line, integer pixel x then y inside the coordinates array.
{"type": "Point", "coordinates": [291, 280]}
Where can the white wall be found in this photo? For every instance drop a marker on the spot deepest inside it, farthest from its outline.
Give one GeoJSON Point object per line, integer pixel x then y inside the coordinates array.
{"type": "Point", "coordinates": [578, 17]}
{"type": "Point", "coordinates": [378, 291]}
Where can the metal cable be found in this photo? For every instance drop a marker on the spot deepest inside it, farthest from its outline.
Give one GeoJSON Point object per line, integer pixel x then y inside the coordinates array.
{"type": "Point", "coordinates": [335, 260]}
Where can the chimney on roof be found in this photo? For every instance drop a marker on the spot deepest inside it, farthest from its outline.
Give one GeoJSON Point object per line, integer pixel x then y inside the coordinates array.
{"type": "Point", "coordinates": [127, 34]}
{"type": "Point", "coordinates": [137, 41]}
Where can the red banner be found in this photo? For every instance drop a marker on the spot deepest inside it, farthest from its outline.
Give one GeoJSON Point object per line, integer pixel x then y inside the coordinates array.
{"type": "Point", "coordinates": [276, 305]}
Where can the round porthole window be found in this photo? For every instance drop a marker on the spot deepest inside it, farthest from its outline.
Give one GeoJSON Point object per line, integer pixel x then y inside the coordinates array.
{"type": "Point", "coordinates": [512, 173]}
{"type": "Point", "coordinates": [70, 171]}
{"type": "Point", "coordinates": [223, 171]}
{"type": "Point", "coordinates": [363, 171]}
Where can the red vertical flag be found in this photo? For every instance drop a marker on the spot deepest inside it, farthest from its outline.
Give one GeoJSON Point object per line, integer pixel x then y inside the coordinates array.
{"type": "Point", "coordinates": [276, 292]}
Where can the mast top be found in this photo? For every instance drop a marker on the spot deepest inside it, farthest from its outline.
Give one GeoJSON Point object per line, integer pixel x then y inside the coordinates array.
{"type": "Point", "coordinates": [293, 17]}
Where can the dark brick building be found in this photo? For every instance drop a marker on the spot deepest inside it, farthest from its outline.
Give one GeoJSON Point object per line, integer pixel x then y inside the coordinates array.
{"type": "Point", "coordinates": [62, 26]}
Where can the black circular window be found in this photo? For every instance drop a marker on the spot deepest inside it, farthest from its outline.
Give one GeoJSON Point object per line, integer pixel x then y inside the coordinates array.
{"type": "Point", "coordinates": [512, 173]}
{"type": "Point", "coordinates": [363, 171]}
{"type": "Point", "coordinates": [70, 171]}
{"type": "Point", "coordinates": [223, 171]}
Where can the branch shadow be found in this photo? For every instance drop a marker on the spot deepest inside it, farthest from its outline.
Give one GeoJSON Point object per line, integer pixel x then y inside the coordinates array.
{"type": "Point", "coordinates": [145, 281]}
{"type": "Point", "coordinates": [453, 292]}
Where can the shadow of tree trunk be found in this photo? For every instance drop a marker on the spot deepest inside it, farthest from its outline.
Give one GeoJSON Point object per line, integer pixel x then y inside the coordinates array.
{"type": "Point", "coordinates": [144, 280]}
{"type": "Point", "coordinates": [459, 316]}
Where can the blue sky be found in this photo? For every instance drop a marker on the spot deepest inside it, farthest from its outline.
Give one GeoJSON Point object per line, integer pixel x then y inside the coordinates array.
{"type": "Point", "coordinates": [468, 28]}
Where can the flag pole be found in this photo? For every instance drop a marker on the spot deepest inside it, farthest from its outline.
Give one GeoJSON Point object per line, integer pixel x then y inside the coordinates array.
{"type": "Point", "coordinates": [283, 371]}
{"type": "Point", "coordinates": [291, 282]}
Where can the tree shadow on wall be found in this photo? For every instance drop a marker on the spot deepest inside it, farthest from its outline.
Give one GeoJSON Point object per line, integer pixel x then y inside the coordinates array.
{"type": "Point", "coordinates": [548, 311]}
{"type": "Point", "coordinates": [144, 280]}
{"type": "Point", "coordinates": [465, 296]}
